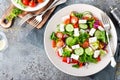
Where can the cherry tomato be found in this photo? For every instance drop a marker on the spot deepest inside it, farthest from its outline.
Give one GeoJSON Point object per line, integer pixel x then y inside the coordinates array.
{"type": "Point", "coordinates": [25, 2]}
{"type": "Point", "coordinates": [59, 35]}
{"type": "Point", "coordinates": [73, 19]}
{"type": "Point", "coordinates": [76, 25]}
{"type": "Point", "coordinates": [64, 59]}
{"type": "Point", "coordinates": [40, 1]}
{"type": "Point", "coordinates": [74, 61]}
{"type": "Point", "coordinates": [80, 64]}
{"type": "Point", "coordinates": [98, 58]}
{"type": "Point", "coordinates": [86, 18]}
{"type": "Point", "coordinates": [60, 43]}
{"type": "Point", "coordinates": [32, 3]}
{"type": "Point", "coordinates": [85, 44]}
{"type": "Point", "coordinates": [53, 43]}
{"type": "Point", "coordinates": [67, 21]}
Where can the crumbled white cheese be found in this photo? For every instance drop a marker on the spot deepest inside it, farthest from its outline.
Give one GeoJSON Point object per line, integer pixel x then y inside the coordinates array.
{"type": "Point", "coordinates": [76, 32]}
{"type": "Point", "coordinates": [75, 46]}
{"type": "Point", "coordinates": [76, 57]}
{"type": "Point", "coordinates": [82, 21]}
{"type": "Point", "coordinates": [92, 39]}
{"type": "Point", "coordinates": [62, 27]}
{"type": "Point", "coordinates": [92, 31]}
{"type": "Point", "coordinates": [96, 53]}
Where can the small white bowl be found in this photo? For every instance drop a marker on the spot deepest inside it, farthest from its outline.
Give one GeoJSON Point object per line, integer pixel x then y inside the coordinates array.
{"type": "Point", "coordinates": [40, 5]}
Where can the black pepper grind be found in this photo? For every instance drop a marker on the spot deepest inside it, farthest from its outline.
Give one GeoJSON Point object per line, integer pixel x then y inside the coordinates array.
{"type": "Point", "coordinates": [116, 13]}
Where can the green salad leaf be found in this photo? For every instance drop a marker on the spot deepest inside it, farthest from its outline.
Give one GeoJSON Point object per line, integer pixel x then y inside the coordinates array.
{"type": "Point", "coordinates": [75, 66]}
{"type": "Point", "coordinates": [53, 36]}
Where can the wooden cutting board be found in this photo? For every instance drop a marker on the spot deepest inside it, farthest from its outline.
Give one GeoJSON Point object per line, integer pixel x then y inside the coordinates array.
{"type": "Point", "coordinates": [45, 17]}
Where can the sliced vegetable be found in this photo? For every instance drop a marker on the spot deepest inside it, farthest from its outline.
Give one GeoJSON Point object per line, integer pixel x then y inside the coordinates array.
{"type": "Point", "coordinates": [85, 44]}
{"type": "Point", "coordinates": [67, 21]}
{"type": "Point", "coordinates": [73, 19]}
{"type": "Point", "coordinates": [53, 43]}
{"type": "Point", "coordinates": [101, 35]}
{"type": "Point", "coordinates": [60, 43]}
{"type": "Point", "coordinates": [75, 66]}
{"type": "Point", "coordinates": [83, 26]}
{"type": "Point", "coordinates": [89, 51]}
{"type": "Point", "coordinates": [40, 1]}
{"type": "Point", "coordinates": [59, 35]}
{"type": "Point", "coordinates": [69, 27]}
{"type": "Point", "coordinates": [79, 51]}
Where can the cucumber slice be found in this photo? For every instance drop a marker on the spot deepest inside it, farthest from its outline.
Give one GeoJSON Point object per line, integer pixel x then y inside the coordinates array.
{"type": "Point", "coordinates": [89, 51]}
{"type": "Point", "coordinates": [79, 51]}
{"type": "Point", "coordinates": [69, 28]}
{"type": "Point", "coordinates": [83, 26]}
{"type": "Point", "coordinates": [87, 14]}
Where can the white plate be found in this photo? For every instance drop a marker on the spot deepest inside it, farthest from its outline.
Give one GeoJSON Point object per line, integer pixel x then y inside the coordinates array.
{"type": "Point", "coordinates": [67, 68]}
{"type": "Point", "coordinates": [40, 5]}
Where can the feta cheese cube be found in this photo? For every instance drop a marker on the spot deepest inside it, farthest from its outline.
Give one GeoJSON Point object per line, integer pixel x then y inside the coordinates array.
{"type": "Point", "coordinates": [92, 31]}
{"type": "Point", "coordinates": [60, 50]}
{"type": "Point", "coordinates": [76, 32]}
{"type": "Point", "coordinates": [75, 46]}
{"type": "Point", "coordinates": [76, 57]}
{"type": "Point", "coordinates": [100, 28]}
{"type": "Point", "coordinates": [92, 39]}
{"type": "Point", "coordinates": [82, 21]}
{"type": "Point", "coordinates": [62, 27]}
{"type": "Point", "coordinates": [65, 17]}
{"type": "Point", "coordinates": [96, 53]}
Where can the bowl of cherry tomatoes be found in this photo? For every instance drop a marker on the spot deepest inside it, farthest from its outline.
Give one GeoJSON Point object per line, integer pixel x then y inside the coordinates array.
{"type": "Point", "coordinates": [30, 5]}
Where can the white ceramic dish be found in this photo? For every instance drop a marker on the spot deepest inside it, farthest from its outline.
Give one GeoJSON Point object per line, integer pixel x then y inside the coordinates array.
{"type": "Point", "coordinates": [40, 5]}
{"type": "Point", "coordinates": [67, 68]}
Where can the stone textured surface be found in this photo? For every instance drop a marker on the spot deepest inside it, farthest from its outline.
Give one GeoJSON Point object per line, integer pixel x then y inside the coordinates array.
{"type": "Point", "coordinates": [25, 58]}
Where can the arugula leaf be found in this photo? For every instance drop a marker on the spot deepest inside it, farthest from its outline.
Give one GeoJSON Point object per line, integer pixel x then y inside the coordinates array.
{"type": "Point", "coordinates": [66, 54]}
{"type": "Point", "coordinates": [90, 23]}
{"type": "Point", "coordinates": [83, 37]}
{"type": "Point", "coordinates": [53, 36]}
{"type": "Point", "coordinates": [75, 66]}
{"type": "Point", "coordinates": [79, 15]}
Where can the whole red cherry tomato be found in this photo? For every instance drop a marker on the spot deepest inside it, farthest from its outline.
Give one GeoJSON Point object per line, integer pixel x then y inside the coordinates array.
{"type": "Point", "coordinates": [32, 3]}
{"type": "Point", "coordinates": [25, 2]}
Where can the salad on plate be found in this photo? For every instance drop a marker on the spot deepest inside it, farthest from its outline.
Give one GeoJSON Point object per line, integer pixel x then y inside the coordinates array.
{"type": "Point", "coordinates": [80, 39]}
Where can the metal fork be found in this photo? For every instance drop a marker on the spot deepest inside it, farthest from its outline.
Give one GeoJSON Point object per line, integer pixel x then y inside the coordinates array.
{"type": "Point", "coordinates": [39, 17]}
{"type": "Point", "coordinates": [107, 26]}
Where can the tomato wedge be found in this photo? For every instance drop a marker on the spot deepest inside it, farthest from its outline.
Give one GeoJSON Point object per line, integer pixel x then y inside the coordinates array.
{"type": "Point", "coordinates": [64, 59]}
{"type": "Point", "coordinates": [53, 43]}
{"type": "Point", "coordinates": [32, 3]}
{"type": "Point", "coordinates": [73, 19]}
{"type": "Point", "coordinates": [60, 43]}
{"type": "Point", "coordinates": [59, 35]}
{"type": "Point", "coordinates": [67, 21]}
{"type": "Point", "coordinates": [76, 25]}
{"type": "Point", "coordinates": [80, 64]}
{"type": "Point", "coordinates": [98, 58]}
{"type": "Point", "coordinates": [85, 44]}
{"type": "Point", "coordinates": [74, 61]}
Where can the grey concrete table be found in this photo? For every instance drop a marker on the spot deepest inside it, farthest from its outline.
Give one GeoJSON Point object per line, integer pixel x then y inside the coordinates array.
{"type": "Point", "coordinates": [26, 59]}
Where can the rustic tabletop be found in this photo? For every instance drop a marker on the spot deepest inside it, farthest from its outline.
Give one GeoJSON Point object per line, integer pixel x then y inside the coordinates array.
{"type": "Point", "coordinates": [25, 58]}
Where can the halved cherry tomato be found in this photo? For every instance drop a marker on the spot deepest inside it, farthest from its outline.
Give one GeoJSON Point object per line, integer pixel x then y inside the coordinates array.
{"type": "Point", "coordinates": [76, 25]}
{"type": "Point", "coordinates": [80, 64]}
{"type": "Point", "coordinates": [98, 58]}
{"type": "Point", "coordinates": [60, 43]}
{"type": "Point", "coordinates": [67, 21]}
{"type": "Point", "coordinates": [25, 2]}
{"type": "Point", "coordinates": [59, 35]}
{"type": "Point", "coordinates": [64, 59]}
{"type": "Point", "coordinates": [85, 44]}
{"type": "Point", "coordinates": [40, 1]}
{"type": "Point", "coordinates": [53, 43]}
{"type": "Point", "coordinates": [73, 19]}
{"type": "Point", "coordinates": [32, 3]}
{"type": "Point", "coordinates": [74, 61]}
